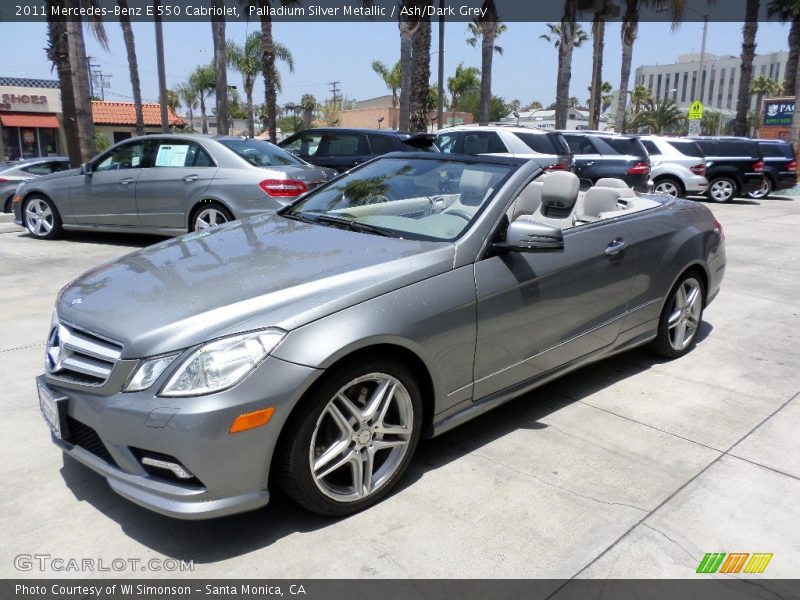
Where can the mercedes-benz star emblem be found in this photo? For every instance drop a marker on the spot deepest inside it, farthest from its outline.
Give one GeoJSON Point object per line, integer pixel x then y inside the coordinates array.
{"type": "Point", "coordinates": [55, 349]}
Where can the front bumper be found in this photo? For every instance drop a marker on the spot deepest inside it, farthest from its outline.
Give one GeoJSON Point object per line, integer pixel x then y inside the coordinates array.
{"type": "Point", "coordinates": [231, 471]}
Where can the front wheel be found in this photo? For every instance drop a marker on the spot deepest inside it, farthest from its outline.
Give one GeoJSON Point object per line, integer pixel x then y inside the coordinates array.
{"type": "Point", "coordinates": [353, 440]}
{"type": "Point", "coordinates": [764, 191]}
{"type": "Point", "coordinates": [681, 317]}
{"type": "Point", "coordinates": [41, 218]}
{"type": "Point", "coordinates": [721, 189]}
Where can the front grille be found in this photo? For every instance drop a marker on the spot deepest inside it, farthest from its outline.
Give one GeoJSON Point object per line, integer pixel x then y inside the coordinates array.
{"type": "Point", "coordinates": [84, 436]}
{"type": "Point", "coordinates": [78, 356]}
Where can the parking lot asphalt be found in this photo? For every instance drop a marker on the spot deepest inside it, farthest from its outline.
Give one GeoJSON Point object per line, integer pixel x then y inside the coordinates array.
{"type": "Point", "coordinates": [633, 467]}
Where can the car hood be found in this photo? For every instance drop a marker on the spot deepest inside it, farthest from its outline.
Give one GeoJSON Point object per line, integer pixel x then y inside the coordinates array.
{"type": "Point", "coordinates": [260, 272]}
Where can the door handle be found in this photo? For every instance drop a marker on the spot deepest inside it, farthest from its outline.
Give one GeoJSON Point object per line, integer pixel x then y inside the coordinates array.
{"type": "Point", "coordinates": [615, 247]}
{"type": "Point", "coordinates": [126, 181]}
{"type": "Point", "coordinates": [588, 163]}
{"type": "Point", "coordinates": [190, 178]}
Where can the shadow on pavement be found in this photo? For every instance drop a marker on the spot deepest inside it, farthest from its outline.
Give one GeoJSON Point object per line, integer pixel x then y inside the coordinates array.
{"type": "Point", "coordinates": [227, 537]}
{"type": "Point", "coordinates": [132, 240]}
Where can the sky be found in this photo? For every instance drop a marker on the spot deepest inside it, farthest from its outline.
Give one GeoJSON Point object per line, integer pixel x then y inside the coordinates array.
{"type": "Point", "coordinates": [325, 52]}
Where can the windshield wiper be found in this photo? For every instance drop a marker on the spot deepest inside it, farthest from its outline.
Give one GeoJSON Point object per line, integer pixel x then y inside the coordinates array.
{"type": "Point", "coordinates": [354, 225]}
{"type": "Point", "coordinates": [300, 217]}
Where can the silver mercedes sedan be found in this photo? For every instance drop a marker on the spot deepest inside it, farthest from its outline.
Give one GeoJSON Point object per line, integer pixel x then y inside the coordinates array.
{"type": "Point", "coordinates": [313, 347]}
{"type": "Point", "coordinates": [167, 185]}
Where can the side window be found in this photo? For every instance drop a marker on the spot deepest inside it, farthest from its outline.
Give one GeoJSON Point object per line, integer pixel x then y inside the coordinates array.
{"type": "Point", "coordinates": [450, 143]}
{"type": "Point", "coordinates": [651, 147]}
{"type": "Point", "coordinates": [305, 144]}
{"type": "Point", "coordinates": [60, 165]}
{"type": "Point", "coordinates": [44, 168]}
{"type": "Point", "coordinates": [483, 142]}
{"type": "Point", "coordinates": [180, 154]}
{"type": "Point", "coordinates": [381, 144]}
{"type": "Point", "coordinates": [346, 144]}
{"type": "Point", "coordinates": [580, 145]}
{"type": "Point", "coordinates": [127, 156]}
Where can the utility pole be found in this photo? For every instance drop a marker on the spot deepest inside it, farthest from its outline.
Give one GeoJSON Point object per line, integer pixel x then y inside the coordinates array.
{"type": "Point", "coordinates": [334, 89]}
{"type": "Point", "coordinates": [90, 71]}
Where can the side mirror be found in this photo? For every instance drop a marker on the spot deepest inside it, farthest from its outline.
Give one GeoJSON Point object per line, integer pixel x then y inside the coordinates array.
{"type": "Point", "coordinates": [525, 235]}
{"type": "Point", "coordinates": [86, 168]}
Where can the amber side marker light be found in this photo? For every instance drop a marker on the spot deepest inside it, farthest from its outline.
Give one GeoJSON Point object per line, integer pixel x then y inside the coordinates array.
{"type": "Point", "coordinates": [17, 199]}
{"type": "Point", "coordinates": [252, 420]}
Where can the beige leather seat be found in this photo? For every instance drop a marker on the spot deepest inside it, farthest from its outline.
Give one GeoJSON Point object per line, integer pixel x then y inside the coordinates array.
{"type": "Point", "coordinates": [597, 203]}
{"type": "Point", "coordinates": [559, 195]}
{"type": "Point", "coordinates": [528, 201]}
{"type": "Point", "coordinates": [611, 182]}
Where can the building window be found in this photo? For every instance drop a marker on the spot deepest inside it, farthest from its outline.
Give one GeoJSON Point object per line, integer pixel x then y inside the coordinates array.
{"type": "Point", "coordinates": [650, 83]}
{"type": "Point", "coordinates": [710, 99]}
{"type": "Point", "coordinates": [121, 136]}
{"type": "Point", "coordinates": [719, 88]}
{"type": "Point", "coordinates": [694, 85]}
{"type": "Point", "coordinates": [658, 87]}
{"type": "Point", "coordinates": [675, 93]}
{"type": "Point", "coordinates": [29, 142]}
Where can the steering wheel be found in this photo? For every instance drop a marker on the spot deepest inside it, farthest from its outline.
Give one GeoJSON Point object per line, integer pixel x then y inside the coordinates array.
{"type": "Point", "coordinates": [457, 212]}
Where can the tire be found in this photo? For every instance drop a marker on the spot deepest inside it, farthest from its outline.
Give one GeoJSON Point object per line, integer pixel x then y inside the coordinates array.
{"type": "Point", "coordinates": [41, 218]}
{"type": "Point", "coordinates": [765, 191]}
{"type": "Point", "coordinates": [209, 214]}
{"type": "Point", "coordinates": [339, 428]}
{"type": "Point", "coordinates": [7, 204]}
{"type": "Point", "coordinates": [721, 189]}
{"type": "Point", "coordinates": [670, 186]}
{"type": "Point", "coordinates": [681, 317]}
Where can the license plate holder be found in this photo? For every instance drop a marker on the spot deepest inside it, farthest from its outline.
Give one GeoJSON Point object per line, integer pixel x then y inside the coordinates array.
{"type": "Point", "coordinates": [54, 410]}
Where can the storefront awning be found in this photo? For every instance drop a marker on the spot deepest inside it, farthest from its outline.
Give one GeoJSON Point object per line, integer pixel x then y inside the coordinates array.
{"type": "Point", "coordinates": [20, 120]}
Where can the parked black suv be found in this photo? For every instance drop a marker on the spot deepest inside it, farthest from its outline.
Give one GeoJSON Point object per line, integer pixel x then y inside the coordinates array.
{"type": "Point", "coordinates": [600, 155]}
{"type": "Point", "coordinates": [343, 149]}
{"type": "Point", "coordinates": [734, 166]}
{"type": "Point", "coordinates": [780, 167]}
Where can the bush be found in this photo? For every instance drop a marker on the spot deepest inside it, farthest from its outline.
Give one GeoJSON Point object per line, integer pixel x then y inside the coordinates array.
{"type": "Point", "coordinates": [101, 141]}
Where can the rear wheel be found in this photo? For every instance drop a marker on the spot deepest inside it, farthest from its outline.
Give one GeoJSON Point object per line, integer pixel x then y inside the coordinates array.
{"type": "Point", "coordinates": [669, 186]}
{"type": "Point", "coordinates": [7, 204]}
{"type": "Point", "coordinates": [353, 440]}
{"type": "Point", "coordinates": [681, 317]}
{"type": "Point", "coordinates": [763, 192]}
{"type": "Point", "coordinates": [209, 215]}
{"type": "Point", "coordinates": [41, 218]}
{"type": "Point", "coordinates": [721, 189]}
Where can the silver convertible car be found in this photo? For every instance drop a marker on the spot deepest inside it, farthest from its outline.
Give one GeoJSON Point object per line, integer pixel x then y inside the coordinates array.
{"type": "Point", "coordinates": [313, 347]}
{"type": "Point", "coordinates": [167, 185]}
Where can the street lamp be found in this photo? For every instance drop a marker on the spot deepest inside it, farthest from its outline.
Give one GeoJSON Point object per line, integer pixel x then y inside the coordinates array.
{"type": "Point", "coordinates": [380, 120]}
{"type": "Point", "coordinates": [293, 108]}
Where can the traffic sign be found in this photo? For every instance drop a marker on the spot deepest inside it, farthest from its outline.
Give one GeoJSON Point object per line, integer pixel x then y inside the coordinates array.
{"type": "Point", "coordinates": [696, 111]}
{"type": "Point", "coordinates": [694, 127]}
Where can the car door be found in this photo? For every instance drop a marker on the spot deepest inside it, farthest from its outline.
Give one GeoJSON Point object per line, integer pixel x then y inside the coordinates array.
{"type": "Point", "coordinates": [538, 311]}
{"type": "Point", "coordinates": [107, 195]}
{"type": "Point", "coordinates": [343, 150]}
{"type": "Point", "coordinates": [586, 157]}
{"type": "Point", "coordinates": [305, 145]}
{"type": "Point", "coordinates": [180, 171]}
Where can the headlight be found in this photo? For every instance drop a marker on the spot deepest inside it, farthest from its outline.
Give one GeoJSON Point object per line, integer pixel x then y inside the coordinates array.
{"type": "Point", "coordinates": [148, 372]}
{"type": "Point", "coordinates": [221, 364]}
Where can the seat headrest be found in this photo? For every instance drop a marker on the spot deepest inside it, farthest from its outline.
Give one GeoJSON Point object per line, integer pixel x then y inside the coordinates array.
{"type": "Point", "coordinates": [599, 200]}
{"type": "Point", "coordinates": [610, 182]}
{"type": "Point", "coordinates": [560, 189]}
{"type": "Point", "coordinates": [473, 186]}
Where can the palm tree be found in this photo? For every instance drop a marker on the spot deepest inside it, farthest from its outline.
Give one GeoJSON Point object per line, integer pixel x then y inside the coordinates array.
{"type": "Point", "coordinates": [640, 96]}
{"type": "Point", "coordinates": [749, 30]}
{"type": "Point", "coordinates": [569, 35]}
{"type": "Point", "coordinates": [630, 28]}
{"type": "Point", "coordinates": [789, 10]}
{"type": "Point", "coordinates": [661, 117]}
{"type": "Point", "coordinates": [58, 54]}
{"type": "Point", "coordinates": [598, 44]}
{"type": "Point", "coordinates": [188, 96]}
{"type": "Point", "coordinates": [220, 70]}
{"type": "Point", "coordinates": [391, 77]}
{"type": "Point", "coordinates": [606, 97]}
{"type": "Point", "coordinates": [407, 29]}
{"type": "Point", "coordinates": [202, 81]}
{"type": "Point", "coordinates": [764, 86]}
{"type": "Point", "coordinates": [466, 80]}
{"type": "Point", "coordinates": [246, 60]}
{"type": "Point", "coordinates": [486, 31]}
{"type": "Point", "coordinates": [420, 76]}
{"type": "Point", "coordinates": [133, 67]}
{"type": "Point", "coordinates": [309, 105]}
{"type": "Point", "coordinates": [554, 35]}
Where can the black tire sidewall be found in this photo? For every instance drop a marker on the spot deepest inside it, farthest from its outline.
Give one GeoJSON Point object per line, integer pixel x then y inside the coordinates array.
{"type": "Point", "coordinates": [57, 228]}
{"type": "Point", "coordinates": [294, 471]}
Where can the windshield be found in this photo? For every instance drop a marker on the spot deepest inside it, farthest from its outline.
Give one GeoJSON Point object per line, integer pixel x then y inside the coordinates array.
{"type": "Point", "coordinates": [406, 197]}
{"type": "Point", "coordinates": [261, 154]}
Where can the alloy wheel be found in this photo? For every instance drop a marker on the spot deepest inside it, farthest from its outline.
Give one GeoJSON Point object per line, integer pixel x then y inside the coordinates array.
{"type": "Point", "coordinates": [721, 190]}
{"type": "Point", "coordinates": [39, 217]}
{"type": "Point", "coordinates": [209, 217]}
{"type": "Point", "coordinates": [667, 187]}
{"type": "Point", "coordinates": [684, 314]}
{"type": "Point", "coordinates": [763, 191]}
{"type": "Point", "coordinates": [361, 437]}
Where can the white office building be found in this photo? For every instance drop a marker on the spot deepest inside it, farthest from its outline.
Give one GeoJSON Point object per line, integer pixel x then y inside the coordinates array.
{"type": "Point", "coordinates": [721, 76]}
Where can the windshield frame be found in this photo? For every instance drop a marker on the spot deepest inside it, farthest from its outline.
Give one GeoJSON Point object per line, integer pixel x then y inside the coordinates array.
{"type": "Point", "coordinates": [291, 211]}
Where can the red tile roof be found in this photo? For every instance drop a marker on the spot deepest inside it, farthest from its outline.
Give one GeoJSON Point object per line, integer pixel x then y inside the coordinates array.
{"type": "Point", "coordinates": [123, 113]}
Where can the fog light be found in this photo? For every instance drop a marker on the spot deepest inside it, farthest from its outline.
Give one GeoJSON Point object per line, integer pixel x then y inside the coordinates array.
{"type": "Point", "coordinates": [178, 470]}
{"type": "Point", "coordinates": [252, 420]}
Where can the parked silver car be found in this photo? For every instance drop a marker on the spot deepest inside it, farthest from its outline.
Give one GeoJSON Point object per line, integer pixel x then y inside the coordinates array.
{"type": "Point", "coordinates": [677, 166]}
{"type": "Point", "coordinates": [14, 173]}
{"type": "Point", "coordinates": [313, 347]}
{"type": "Point", "coordinates": [166, 184]}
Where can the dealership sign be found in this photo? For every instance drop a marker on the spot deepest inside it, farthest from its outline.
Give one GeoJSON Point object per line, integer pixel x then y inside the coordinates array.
{"type": "Point", "coordinates": [778, 112]}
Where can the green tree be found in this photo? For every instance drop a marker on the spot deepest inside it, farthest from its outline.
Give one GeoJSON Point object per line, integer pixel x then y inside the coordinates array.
{"type": "Point", "coordinates": [188, 97]}
{"type": "Point", "coordinates": [749, 30]}
{"type": "Point", "coordinates": [471, 103]}
{"type": "Point", "coordinates": [763, 86]}
{"type": "Point", "coordinates": [220, 70]}
{"type": "Point", "coordinates": [570, 35]}
{"type": "Point", "coordinates": [391, 78]}
{"type": "Point", "coordinates": [202, 81]}
{"type": "Point", "coordinates": [640, 96]}
{"type": "Point", "coordinates": [465, 80]}
{"type": "Point", "coordinates": [486, 31]}
{"type": "Point", "coordinates": [789, 11]}
{"type": "Point", "coordinates": [133, 65]}
{"type": "Point", "coordinates": [309, 105]}
{"type": "Point", "coordinates": [420, 75]}
{"type": "Point", "coordinates": [659, 117]}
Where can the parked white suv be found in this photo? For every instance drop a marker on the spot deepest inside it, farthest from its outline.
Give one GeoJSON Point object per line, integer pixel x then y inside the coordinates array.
{"type": "Point", "coordinates": [548, 147]}
{"type": "Point", "coordinates": [677, 166]}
